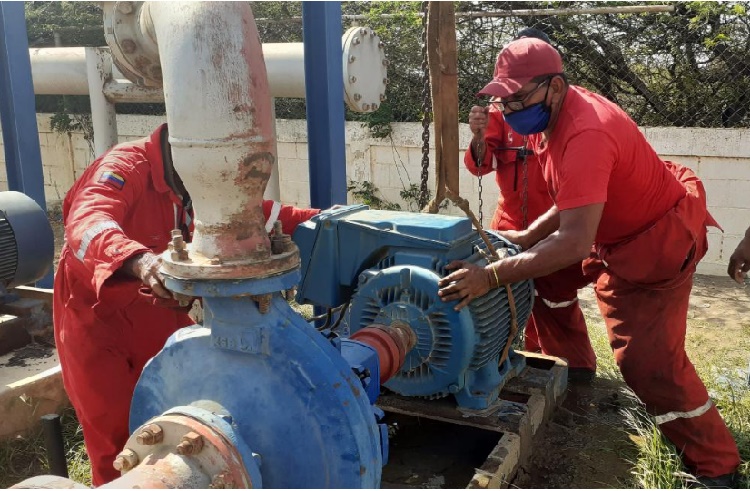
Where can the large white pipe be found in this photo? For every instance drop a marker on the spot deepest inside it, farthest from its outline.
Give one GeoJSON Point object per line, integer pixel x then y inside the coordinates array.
{"type": "Point", "coordinates": [59, 71]}
{"type": "Point", "coordinates": [62, 71]}
{"type": "Point", "coordinates": [221, 130]}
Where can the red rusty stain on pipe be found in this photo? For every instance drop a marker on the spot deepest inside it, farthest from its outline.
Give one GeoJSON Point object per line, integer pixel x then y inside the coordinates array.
{"type": "Point", "coordinates": [392, 344]}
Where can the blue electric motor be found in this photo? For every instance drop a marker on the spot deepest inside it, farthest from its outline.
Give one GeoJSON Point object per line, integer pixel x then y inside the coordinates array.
{"type": "Point", "coordinates": [387, 265]}
{"type": "Point", "coordinates": [26, 241]}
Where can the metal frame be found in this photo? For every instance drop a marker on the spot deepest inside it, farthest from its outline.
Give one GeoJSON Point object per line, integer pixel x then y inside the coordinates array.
{"type": "Point", "coordinates": [23, 159]}
{"type": "Point", "coordinates": [326, 136]}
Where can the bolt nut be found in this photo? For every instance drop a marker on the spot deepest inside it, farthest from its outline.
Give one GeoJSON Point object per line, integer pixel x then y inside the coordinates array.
{"type": "Point", "coordinates": [382, 97]}
{"type": "Point", "coordinates": [150, 435]}
{"type": "Point", "coordinates": [365, 107]}
{"type": "Point", "coordinates": [356, 41]}
{"type": "Point", "coordinates": [453, 388]}
{"type": "Point", "coordinates": [352, 58]}
{"type": "Point", "coordinates": [222, 480]}
{"type": "Point", "coordinates": [125, 7]}
{"type": "Point", "coordinates": [126, 460]}
{"type": "Point", "coordinates": [352, 79]}
{"type": "Point", "coordinates": [381, 44]}
{"type": "Point", "coordinates": [191, 444]}
{"type": "Point", "coordinates": [128, 46]}
{"type": "Point", "coordinates": [357, 97]}
{"type": "Point", "coordinates": [386, 62]}
{"type": "Point", "coordinates": [215, 261]}
{"type": "Point", "coordinates": [375, 107]}
{"type": "Point", "coordinates": [363, 32]}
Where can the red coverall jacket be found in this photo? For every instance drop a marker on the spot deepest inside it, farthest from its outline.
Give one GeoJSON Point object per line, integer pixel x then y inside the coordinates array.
{"type": "Point", "coordinates": [557, 326]}
{"type": "Point", "coordinates": [104, 329]}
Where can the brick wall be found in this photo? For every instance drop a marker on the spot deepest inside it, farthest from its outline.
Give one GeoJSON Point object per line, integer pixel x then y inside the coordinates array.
{"type": "Point", "coordinates": [721, 157]}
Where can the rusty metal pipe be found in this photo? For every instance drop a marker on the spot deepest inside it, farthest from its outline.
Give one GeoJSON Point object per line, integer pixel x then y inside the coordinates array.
{"type": "Point", "coordinates": [220, 115]}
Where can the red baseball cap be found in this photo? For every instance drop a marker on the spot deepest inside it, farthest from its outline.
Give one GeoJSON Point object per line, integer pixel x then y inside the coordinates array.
{"type": "Point", "coordinates": [518, 63]}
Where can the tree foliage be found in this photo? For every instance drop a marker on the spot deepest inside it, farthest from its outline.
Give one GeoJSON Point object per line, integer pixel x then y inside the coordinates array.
{"type": "Point", "coordinates": [689, 67]}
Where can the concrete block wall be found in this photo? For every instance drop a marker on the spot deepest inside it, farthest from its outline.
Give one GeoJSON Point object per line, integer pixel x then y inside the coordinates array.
{"type": "Point", "coordinates": [721, 157]}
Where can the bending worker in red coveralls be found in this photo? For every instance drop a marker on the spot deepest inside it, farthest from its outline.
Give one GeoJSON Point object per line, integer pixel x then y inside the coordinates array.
{"type": "Point", "coordinates": [647, 220]}
{"type": "Point", "coordinates": [118, 217]}
{"type": "Point", "coordinates": [557, 326]}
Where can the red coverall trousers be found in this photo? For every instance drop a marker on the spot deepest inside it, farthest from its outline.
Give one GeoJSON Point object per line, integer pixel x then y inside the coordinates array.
{"type": "Point", "coordinates": [643, 289]}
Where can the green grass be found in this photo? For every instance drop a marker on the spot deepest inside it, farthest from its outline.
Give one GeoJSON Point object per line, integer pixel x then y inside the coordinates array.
{"type": "Point", "coordinates": [658, 464]}
{"type": "Point", "coordinates": [24, 456]}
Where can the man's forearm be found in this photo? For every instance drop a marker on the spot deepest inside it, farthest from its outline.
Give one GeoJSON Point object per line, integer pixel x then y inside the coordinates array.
{"type": "Point", "coordinates": [553, 253]}
{"type": "Point", "coordinates": [544, 226]}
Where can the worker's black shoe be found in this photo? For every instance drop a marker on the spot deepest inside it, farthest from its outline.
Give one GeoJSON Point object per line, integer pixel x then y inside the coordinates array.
{"type": "Point", "coordinates": [581, 376]}
{"type": "Point", "coordinates": [727, 481]}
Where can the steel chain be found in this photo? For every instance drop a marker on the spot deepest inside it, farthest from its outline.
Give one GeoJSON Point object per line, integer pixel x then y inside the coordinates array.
{"type": "Point", "coordinates": [481, 215]}
{"type": "Point", "coordinates": [525, 190]}
{"type": "Point", "coordinates": [426, 113]}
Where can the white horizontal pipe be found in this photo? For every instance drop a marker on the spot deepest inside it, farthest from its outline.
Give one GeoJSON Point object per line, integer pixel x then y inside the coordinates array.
{"type": "Point", "coordinates": [62, 71]}
{"type": "Point", "coordinates": [59, 71]}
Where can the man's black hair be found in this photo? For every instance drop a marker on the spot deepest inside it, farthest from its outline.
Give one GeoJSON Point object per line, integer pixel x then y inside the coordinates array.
{"type": "Point", "coordinates": [532, 32]}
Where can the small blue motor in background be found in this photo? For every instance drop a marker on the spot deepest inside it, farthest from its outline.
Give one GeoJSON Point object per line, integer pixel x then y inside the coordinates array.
{"type": "Point", "coordinates": [27, 245]}
{"type": "Point", "coordinates": [386, 266]}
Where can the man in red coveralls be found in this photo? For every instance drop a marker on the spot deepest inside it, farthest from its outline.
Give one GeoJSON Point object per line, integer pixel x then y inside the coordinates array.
{"type": "Point", "coordinates": [118, 217]}
{"type": "Point", "coordinates": [647, 220]}
{"type": "Point", "coordinates": [557, 326]}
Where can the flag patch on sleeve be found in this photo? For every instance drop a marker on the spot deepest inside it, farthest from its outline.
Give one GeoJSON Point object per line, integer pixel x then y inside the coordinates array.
{"type": "Point", "coordinates": [113, 179]}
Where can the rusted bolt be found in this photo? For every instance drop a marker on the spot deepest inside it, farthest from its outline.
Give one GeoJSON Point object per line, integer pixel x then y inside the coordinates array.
{"type": "Point", "coordinates": [385, 81]}
{"type": "Point", "coordinates": [352, 58]}
{"type": "Point", "coordinates": [215, 261]}
{"type": "Point", "coordinates": [289, 294]}
{"type": "Point", "coordinates": [362, 32]}
{"type": "Point", "coordinates": [126, 460]}
{"type": "Point", "coordinates": [353, 79]}
{"type": "Point", "coordinates": [372, 34]}
{"type": "Point", "coordinates": [222, 480]}
{"type": "Point", "coordinates": [264, 303]}
{"type": "Point", "coordinates": [357, 97]}
{"type": "Point", "coordinates": [177, 241]}
{"type": "Point", "coordinates": [382, 97]}
{"type": "Point", "coordinates": [128, 46]}
{"type": "Point", "coordinates": [381, 44]}
{"type": "Point", "coordinates": [150, 435]}
{"type": "Point", "coordinates": [375, 107]}
{"type": "Point", "coordinates": [125, 7]}
{"type": "Point", "coordinates": [386, 62]}
{"type": "Point", "coordinates": [191, 444]}
{"type": "Point", "coordinates": [356, 41]}
{"type": "Point", "coordinates": [365, 107]}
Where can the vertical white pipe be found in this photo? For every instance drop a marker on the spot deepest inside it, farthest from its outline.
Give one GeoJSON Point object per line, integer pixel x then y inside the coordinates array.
{"type": "Point", "coordinates": [103, 114]}
{"type": "Point", "coordinates": [220, 123]}
{"type": "Point", "coordinates": [273, 188]}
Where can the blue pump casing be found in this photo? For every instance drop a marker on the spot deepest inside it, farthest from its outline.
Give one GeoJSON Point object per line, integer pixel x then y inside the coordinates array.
{"type": "Point", "coordinates": [387, 266]}
{"type": "Point", "coordinates": [288, 388]}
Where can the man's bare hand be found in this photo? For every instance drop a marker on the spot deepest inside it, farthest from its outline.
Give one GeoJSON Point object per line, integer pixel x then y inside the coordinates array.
{"type": "Point", "coordinates": [478, 121]}
{"type": "Point", "coordinates": [466, 283]}
{"type": "Point", "coordinates": [146, 268]}
{"type": "Point", "coordinates": [739, 262]}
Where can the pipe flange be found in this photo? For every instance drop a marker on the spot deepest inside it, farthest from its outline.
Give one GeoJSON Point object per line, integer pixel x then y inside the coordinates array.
{"type": "Point", "coordinates": [212, 457]}
{"type": "Point", "coordinates": [197, 266]}
{"type": "Point", "coordinates": [128, 31]}
{"type": "Point", "coordinates": [365, 69]}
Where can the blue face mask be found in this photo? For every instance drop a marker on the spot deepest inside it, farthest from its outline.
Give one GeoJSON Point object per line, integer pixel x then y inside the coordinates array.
{"type": "Point", "coordinates": [530, 120]}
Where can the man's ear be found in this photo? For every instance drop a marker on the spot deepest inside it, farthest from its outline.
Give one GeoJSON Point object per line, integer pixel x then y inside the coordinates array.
{"type": "Point", "coordinates": [557, 88]}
